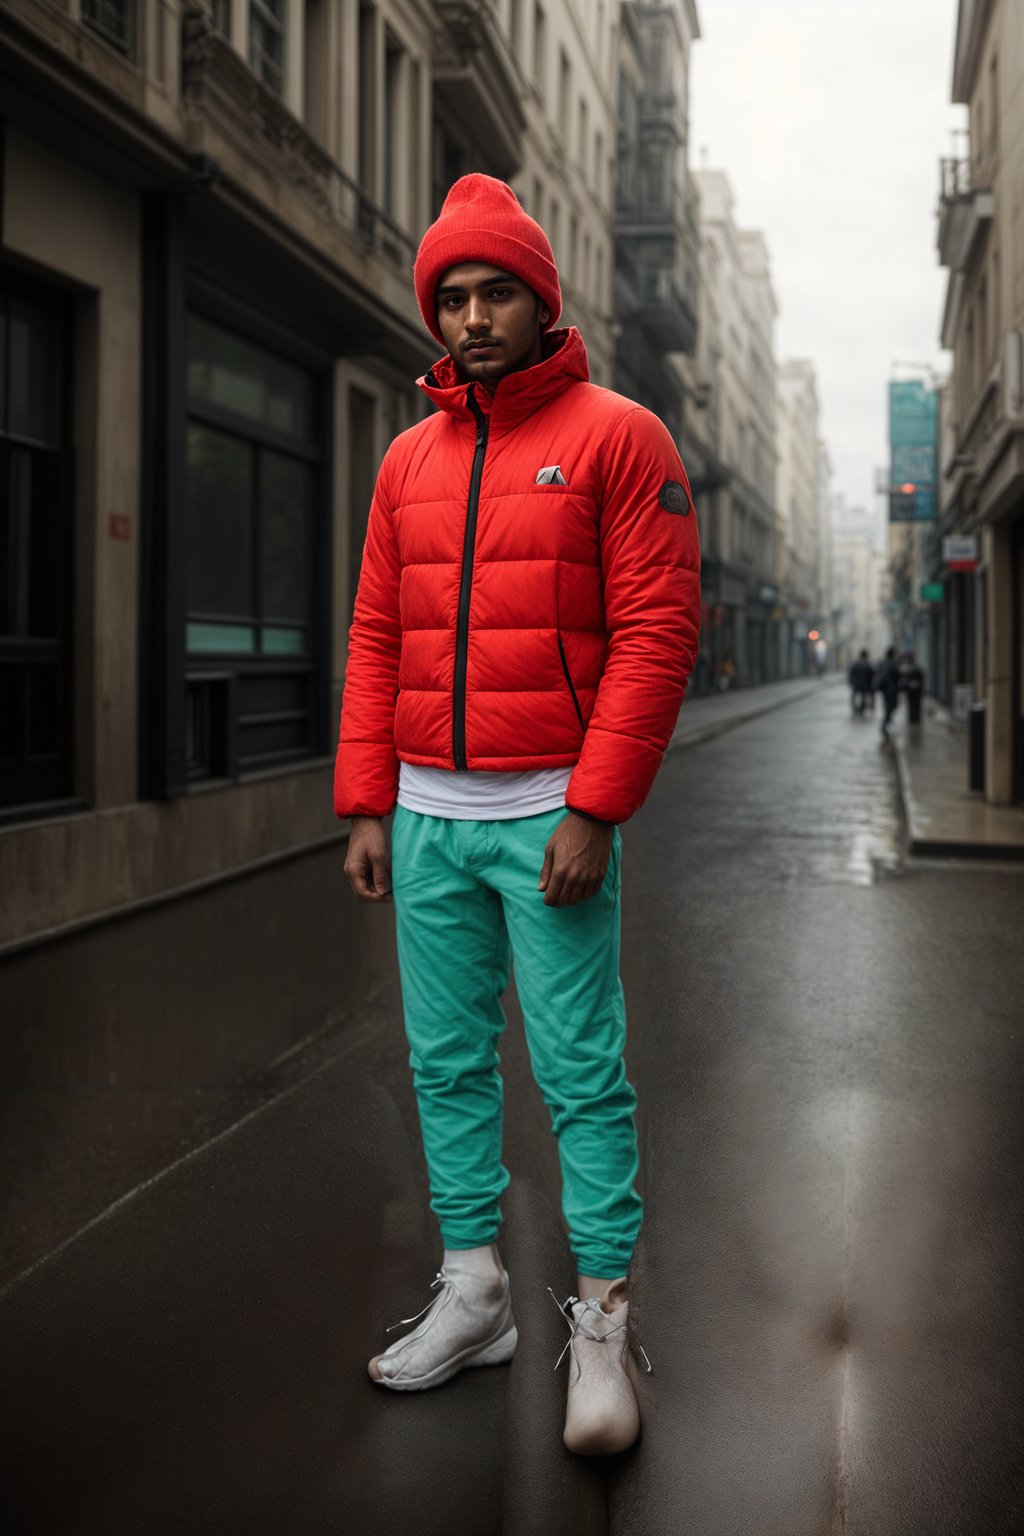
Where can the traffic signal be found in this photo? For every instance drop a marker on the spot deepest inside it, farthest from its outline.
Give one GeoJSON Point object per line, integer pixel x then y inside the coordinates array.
{"type": "Point", "coordinates": [903, 503]}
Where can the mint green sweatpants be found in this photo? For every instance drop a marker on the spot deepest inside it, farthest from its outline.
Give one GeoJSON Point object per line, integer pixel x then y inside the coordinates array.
{"type": "Point", "coordinates": [466, 902]}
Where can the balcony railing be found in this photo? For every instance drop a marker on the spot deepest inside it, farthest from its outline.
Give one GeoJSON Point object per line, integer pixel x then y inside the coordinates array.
{"type": "Point", "coordinates": [955, 176]}
{"type": "Point", "coordinates": [964, 209]}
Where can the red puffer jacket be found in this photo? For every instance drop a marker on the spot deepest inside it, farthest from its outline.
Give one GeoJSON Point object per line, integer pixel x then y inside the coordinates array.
{"type": "Point", "coordinates": [529, 594]}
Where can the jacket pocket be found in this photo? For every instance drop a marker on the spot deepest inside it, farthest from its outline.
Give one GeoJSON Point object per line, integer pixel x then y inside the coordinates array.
{"type": "Point", "coordinates": [568, 679]}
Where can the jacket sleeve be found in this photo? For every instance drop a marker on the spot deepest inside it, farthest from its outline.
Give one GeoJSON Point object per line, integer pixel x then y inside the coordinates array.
{"type": "Point", "coordinates": [650, 555]}
{"type": "Point", "coordinates": [366, 766]}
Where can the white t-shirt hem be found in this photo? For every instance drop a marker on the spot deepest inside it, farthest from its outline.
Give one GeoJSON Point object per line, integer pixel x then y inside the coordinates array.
{"type": "Point", "coordinates": [481, 796]}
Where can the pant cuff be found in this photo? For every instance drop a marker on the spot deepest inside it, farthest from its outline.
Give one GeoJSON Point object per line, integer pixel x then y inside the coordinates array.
{"type": "Point", "coordinates": [469, 1237]}
{"type": "Point", "coordinates": [604, 1265]}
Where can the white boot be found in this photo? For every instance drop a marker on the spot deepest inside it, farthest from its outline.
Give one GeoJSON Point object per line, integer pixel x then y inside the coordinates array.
{"type": "Point", "coordinates": [469, 1322]}
{"type": "Point", "coordinates": [602, 1416]}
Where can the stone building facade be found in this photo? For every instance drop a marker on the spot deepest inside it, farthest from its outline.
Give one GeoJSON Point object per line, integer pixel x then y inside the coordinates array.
{"type": "Point", "coordinates": [567, 55]}
{"type": "Point", "coordinates": [799, 505]}
{"type": "Point", "coordinates": [981, 243]}
{"type": "Point", "coordinates": [657, 247]}
{"type": "Point", "coordinates": [735, 439]}
{"type": "Point", "coordinates": [859, 573]}
{"type": "Point", "coordinates": [207, 236]}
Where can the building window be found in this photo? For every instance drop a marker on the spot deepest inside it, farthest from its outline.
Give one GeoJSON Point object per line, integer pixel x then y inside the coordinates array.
{"type": "Point", "coordinates": [564, 94]}
{"type": "Point", "coordinates": [366, 82]}
{"type": "Point", "coordinates": [114, 21]}
{"type": "Point", "coordinates": [449, 162]}
{"type": "Point", "coordinates": [317, 70]}
{"type": "Point", "coordinates": [266, 42]}
{"type": "Point", "coordinates": [35, 550]}
{"type": "Point", "coordinates": [394, 71]}
{"type": "Point", "coordinates": [362, 417]}
{"type": "Point", "coordinates": [540, 50]}
{"type": "Point", "coordinates": [252, 477]}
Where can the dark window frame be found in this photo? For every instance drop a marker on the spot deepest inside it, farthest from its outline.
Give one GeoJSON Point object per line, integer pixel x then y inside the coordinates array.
{"type": "Point", "coordinates": [115, 21]}
{"type": "Point", "coordinates": [42, 784]}
{"type": "Point", "coordinates": [216, 665]}
{"type": "Point", "coordinates": [168, 675]}
{"type": "Point", "coordinates": [265, 25]}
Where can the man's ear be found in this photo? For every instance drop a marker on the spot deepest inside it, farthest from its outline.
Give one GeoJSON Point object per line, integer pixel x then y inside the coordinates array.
{"type": "Point", "coordinates": [544, 316]}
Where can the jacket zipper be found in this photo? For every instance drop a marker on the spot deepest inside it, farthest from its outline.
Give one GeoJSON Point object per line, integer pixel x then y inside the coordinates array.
{"type": "Point", "coordinates": [568, 678]}
{"type": "Point", "coordinates": [466, 585]}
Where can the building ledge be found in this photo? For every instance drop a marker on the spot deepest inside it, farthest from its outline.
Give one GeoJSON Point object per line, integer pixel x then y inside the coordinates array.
{"type": "Point", "coordinates": [251, 154]}
{"type": "Point", "coordinates": [477, 80]}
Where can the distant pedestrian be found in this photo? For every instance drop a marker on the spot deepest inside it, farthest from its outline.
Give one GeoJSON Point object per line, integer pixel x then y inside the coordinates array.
{"type": "Point", "coordinates": [887, 683]}
{"type": "Point", "coordinates": [862, 682]}
{"type": "Point", "coordinates": [727, 674]}
{"type": "Point", "coordinates": [912, 684]}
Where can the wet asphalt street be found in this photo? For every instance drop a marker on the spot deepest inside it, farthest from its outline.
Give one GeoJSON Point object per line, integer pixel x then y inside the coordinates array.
{"type": "Point", "coordinates": [828, 1044]}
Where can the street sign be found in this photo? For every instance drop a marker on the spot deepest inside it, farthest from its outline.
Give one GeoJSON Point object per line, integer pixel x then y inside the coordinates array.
{"type": "Point", "coordinates": [932, 592]}
{"type": "Point", "coordinates": [957, 547]}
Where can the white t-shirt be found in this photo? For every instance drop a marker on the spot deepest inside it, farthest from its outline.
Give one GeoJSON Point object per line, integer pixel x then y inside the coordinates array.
{"type": "Point", "coordinates": [481, 796]}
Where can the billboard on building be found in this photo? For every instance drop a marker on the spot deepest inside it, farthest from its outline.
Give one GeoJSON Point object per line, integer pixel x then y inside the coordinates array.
{"type": "Point", "coordinates": [914, 451]}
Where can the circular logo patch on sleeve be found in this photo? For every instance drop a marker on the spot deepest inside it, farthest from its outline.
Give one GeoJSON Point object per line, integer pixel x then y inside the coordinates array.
{"type": "Point", "coordinates": [674, 498]}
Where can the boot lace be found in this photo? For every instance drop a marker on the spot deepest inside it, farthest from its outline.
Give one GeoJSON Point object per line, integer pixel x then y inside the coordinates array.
{"type": "Point", "coordinates": [446, 1288]}
{"type": "Point", "coordinates": [592, 1309]}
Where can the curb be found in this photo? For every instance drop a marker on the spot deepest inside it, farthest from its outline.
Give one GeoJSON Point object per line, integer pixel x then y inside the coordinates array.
{"type": "Point", "coordinates": [699, 734]}
{"type": "Point", "coordinates": [936, 848]}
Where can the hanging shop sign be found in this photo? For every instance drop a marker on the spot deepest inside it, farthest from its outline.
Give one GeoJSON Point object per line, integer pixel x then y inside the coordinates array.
{"type": "Point", "coordinates": [960, 551]}
{"type": "Point", "coordinates": [913, 451]}
{"type": "Point", "coordinates": [932, 592]}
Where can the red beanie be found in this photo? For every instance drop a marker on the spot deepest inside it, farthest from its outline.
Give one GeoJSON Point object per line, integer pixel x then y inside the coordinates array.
{"type": "Point", "coordinates": [482, 220]}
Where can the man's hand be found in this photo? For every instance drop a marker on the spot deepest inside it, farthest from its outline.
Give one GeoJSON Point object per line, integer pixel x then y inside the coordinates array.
{"type": "Point", "coordinates": [575, 860]}
{"type": "Point", "coordinates": [367, 863]}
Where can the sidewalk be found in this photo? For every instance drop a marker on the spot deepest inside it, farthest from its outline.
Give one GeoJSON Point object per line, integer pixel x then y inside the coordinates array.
{"type": "Point", "coordinates": [710, 714]}
{"type": "Point", "coordinates": [943, 816]}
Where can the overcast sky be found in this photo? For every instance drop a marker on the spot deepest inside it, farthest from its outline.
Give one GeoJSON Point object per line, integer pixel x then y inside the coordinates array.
{"type": "Point", "coordinates": [830, 117]}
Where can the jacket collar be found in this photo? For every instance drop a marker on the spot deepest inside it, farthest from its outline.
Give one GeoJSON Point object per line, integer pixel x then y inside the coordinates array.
{"type": "Point", "coordinates": [517, 395]}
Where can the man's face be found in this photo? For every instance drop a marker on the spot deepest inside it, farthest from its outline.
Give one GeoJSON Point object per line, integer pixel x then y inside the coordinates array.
{"type": "Point", "coordinates": [491, 321]}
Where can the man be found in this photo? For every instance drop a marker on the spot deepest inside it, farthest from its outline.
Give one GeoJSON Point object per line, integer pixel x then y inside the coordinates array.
{"type": "Point", "coordinates": [862, 675]}
{"type": "Point", "coordinates": [525, 625]}
{"type": "Point", "coordinates": [887, 683]}
{"type": "Point", "coordinates": [912, 684]}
